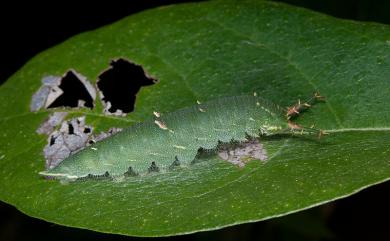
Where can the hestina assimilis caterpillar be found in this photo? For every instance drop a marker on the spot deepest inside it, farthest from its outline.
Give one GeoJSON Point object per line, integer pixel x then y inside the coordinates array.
{"type": "Point", "coordinates": [174, 139]}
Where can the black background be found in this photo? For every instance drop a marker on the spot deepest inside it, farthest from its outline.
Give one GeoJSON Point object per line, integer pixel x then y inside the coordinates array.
{"type": "Point", "coordinates": [27, 28]}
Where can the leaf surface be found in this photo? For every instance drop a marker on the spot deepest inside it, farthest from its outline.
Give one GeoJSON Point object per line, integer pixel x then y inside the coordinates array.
{"type": "Point", "coordinates": [199, 52]}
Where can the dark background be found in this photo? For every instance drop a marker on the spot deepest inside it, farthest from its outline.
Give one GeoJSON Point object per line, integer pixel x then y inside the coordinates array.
{"type": "Point", "coordinates": [27, 28]}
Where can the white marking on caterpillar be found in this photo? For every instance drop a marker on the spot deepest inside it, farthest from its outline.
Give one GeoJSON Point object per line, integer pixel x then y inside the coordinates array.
{"type": "Point", "coordinates": [180, 147]}
{"type": "Point", "coordinates": [271, 128]}
{"type": "Point", "coordinates": [198, 102]}
{"type": "Point", "coordinates": [59, 175]}
{"type": "Point", "coordinates": [265, 109]}
{"type": "Point", "coordinates": [201, 138]}
{"type": "Point", "coordinates": [201, 110]}
{"type": "Point", "coordinates": [156, 114]}
{"type": "Point", "coordinates": [94, 148]}
{"type": "Point", "coordinates": [161, 124]}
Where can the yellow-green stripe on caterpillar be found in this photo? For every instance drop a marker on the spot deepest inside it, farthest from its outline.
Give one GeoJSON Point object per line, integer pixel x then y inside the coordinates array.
{"type": "Point", "coordinates": [173, 139]}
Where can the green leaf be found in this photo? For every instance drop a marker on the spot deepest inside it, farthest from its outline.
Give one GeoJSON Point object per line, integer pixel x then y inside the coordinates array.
{"type": "Point", "coordinates": [198, 52]}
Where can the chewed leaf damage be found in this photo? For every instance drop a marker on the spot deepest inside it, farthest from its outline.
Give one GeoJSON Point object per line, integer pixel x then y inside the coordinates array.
{"type": "Point", "coordinates": [72, 136]}
{"type": "Point", "coordinates": [119, 84]}
{"type": "Point", "coordinates": [174, 139]}
{"type": "Point", "coordinates": [69, 139]}
{"type": "Point", "coordinates": [70, 90]}
{"type": "Point", "coordinates": [241, 153]}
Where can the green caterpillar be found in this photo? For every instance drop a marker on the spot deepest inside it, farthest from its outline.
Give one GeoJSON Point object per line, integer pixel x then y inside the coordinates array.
{"type": "Point", "coordinates": [174, 139]}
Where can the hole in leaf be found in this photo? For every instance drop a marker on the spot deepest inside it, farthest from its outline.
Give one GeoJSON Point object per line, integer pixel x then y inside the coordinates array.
{"type": "Point", "coordinates": [70, 129]}
{"type": "Point", "coordinates": [70, 90]}
{"type": "Point", "coordinates": [74, 92]}
{"type": "Point", "coordinates": [120, 84]}
{"type": "Point", "coordinates": [52, 140]}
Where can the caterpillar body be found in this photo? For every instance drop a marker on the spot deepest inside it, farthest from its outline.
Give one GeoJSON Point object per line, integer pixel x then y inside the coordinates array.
{"type": "Point", "coordinates": [174, 139]}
